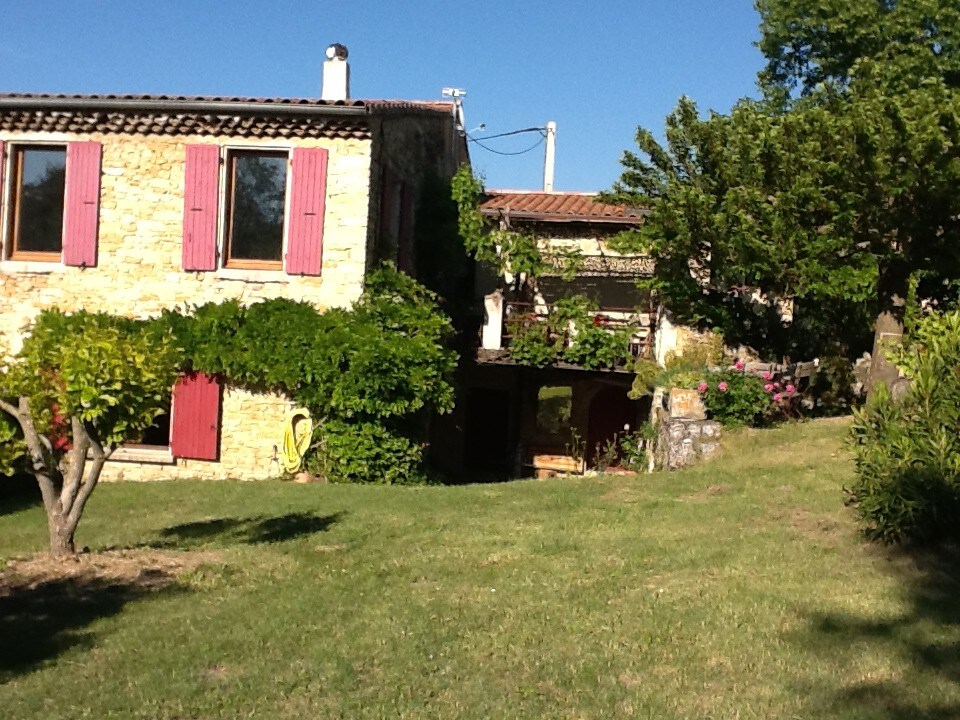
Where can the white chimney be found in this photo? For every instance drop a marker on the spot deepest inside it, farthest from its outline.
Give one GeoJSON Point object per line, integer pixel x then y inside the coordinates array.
{"type": "Point", "coordinates": [336, 74]}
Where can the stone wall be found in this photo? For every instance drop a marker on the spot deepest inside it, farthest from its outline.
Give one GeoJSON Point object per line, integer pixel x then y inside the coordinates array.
{"type": "Point", "coordinates": [684, 435]}
{"type": "Point", "coordinates": [139, 273]}
{"type": "Point", "coordinates": [683, 442]}
{"type": "Point", "coordinates": [250, 437]}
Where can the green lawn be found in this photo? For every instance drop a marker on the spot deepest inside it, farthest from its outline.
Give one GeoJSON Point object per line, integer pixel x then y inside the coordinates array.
{"type": "Point", "coordinates": [738, 589]}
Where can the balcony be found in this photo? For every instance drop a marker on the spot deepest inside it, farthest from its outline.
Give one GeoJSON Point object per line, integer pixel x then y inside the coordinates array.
{"type": "Point", "coordinates": [506, 320]}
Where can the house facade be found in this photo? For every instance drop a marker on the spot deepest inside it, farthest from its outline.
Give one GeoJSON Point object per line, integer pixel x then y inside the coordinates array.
{"type": "Point", "coordinates": [133, 204]}
{"type": "Point", "coordinates": [517, 419]}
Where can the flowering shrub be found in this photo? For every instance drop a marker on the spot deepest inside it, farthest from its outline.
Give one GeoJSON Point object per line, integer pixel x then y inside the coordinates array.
{"type": "Point", "coordinates": [734, 398]}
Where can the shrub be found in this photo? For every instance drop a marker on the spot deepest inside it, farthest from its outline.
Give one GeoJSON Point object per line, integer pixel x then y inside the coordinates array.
{"type": "Point", "coordinates": [365, 452]}
{"type": "Point", "coordinates": [907, 452]}
{"type": "Point", "coordinates": [833, 388]}
{"type": "Point", "coordinates": [735, 398]}
{"type": "Point", "coordinates": [368, 375]}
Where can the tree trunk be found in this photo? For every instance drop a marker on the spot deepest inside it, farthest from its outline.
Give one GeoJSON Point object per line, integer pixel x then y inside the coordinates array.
{"type": "Point", "coordinates": [892, 287]}
{"type": "Point", "coordinates": [61, 535]}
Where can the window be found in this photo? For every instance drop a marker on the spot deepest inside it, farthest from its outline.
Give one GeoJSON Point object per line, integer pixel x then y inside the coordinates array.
{"type": "Point", "coordinates": [190, 427]}
{"type": "Point", "coordinates": [157, 435]}
{"type": "Point", "coordinates": [251, 217]}
{"type": "Point", "coordinates": [256, 195]}
{"type": "Point", "coordinates": [38, 176]}
{"type": "Point", "coordinates": [52, 208]}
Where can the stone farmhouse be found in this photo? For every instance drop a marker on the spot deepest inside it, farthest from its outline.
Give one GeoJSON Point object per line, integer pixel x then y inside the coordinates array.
{"type": "Point", "coordinates": [518, 419]}
{"type": "Point", "coordinates": [135, 203]}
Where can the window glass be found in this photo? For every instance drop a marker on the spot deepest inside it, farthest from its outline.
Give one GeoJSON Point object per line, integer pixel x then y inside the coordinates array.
{"type": "Point", "coordinates": [38, 174]}
{"type": "Point", "coordinates": [158, 434]}
{"type": "Point", "coordinates": [258, 184]}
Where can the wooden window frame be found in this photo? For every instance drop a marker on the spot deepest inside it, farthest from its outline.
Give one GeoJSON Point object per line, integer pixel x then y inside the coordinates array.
{"type": "Point", "coordinates": [228, 203]}
{"type": "Point", "coordinates": [14, 164]}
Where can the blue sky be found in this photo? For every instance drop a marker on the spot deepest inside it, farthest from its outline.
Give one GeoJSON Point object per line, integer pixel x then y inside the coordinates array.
{"type": "Point", "coordinates": [598, 69]}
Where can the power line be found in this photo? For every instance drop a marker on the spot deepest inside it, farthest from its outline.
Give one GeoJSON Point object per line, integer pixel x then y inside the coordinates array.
{"type": "Point", "coordinates": [514, 132]}
{"type": "Point", "coordinates": [499, 152]}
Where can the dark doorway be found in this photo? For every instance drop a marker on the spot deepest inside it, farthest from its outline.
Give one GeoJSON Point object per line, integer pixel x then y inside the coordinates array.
{"type": "Point", "coordinates": [488, 431]}
{"type": "Point", "coordinates": [610, 411]}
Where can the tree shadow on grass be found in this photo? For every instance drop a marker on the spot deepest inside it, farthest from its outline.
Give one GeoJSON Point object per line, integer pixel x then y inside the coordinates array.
{"type": "Point", "coordinates": [924, 641]}
{"type": "Point", "coordinates": [255, 530]}
{"type": "Point", "coordinates": [18, 492]}
{"type": "Point", "coordinates": [41, 619]}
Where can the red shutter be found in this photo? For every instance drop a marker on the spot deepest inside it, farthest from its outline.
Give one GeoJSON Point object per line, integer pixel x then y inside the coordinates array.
{"type": "Point", "coordinates": [196, 417]}
{"type": "Point", "coordinates": [81, 204]}
{"type": "Point", "coordinates": [308, 195]}
{"type": "Point", "coordinates": [200, 196]}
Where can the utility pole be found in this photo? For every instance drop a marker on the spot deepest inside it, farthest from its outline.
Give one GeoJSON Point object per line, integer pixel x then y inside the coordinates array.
{"type": "Point", "coordinates": [548, 159]}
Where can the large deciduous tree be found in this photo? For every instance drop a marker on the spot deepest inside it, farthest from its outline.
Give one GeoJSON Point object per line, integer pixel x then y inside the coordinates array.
{"type": "Point", "coordinates": [835, 200]}
{"type": "Point", "coordinates": [81, 386]}
{"type": "Point", "coordinates": [809, 43]}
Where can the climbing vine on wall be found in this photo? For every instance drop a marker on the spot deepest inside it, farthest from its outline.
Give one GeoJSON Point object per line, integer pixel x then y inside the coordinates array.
{"type": "Point", "coordinates": [370, 376]}
{"type": "Point", "coordinates": [571, 330]}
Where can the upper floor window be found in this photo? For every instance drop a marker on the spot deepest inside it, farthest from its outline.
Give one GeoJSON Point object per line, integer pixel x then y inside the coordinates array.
{"type": "Point", "coordinates": [256, 197]}
{"type": "Point", "coordinates": [266, 211]}
{"type": "Point", "coordinates": [51, 211]}
{"type": "Point", "coordinates": [38, 176]}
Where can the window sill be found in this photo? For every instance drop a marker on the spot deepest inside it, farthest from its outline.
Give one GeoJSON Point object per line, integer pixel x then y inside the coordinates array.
{"type": "Point", "coordinates": [36, 267]}
{"type": "Point", "coordinates": [144, 454]}
{"type": "Point", "coordinates": [259, 276]}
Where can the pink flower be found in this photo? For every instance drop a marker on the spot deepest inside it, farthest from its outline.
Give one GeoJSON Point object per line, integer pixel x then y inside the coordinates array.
{"type": "Point", "coordinates": [776, 386]}
{"type": "Point", "coordinates": [702, 387]}
{"type": "Point", "coordinates": [768, 387]}
{"type": "Point", "coordinates": [739, 365]}
{"type": "Point", "coordinates": [767, 375]}
{"type": "Point", "coordinates": [778, 397]}
{"type": "Point", "coordinates": [791, 389]}
{"type": "Point", "coordinates": [722, 387]}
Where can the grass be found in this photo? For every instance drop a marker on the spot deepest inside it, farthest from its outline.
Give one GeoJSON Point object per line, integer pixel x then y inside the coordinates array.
{"type": "Point", "coordinates": [738, 589]}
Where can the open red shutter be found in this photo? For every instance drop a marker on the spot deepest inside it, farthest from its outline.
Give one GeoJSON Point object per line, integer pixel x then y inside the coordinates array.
{"type": "Point", "coordinates": [196, 417]}
{"type": "Point", "coordinates": [308, 195]}
{"type": "Point", "coordinates": [81, 204]}
{"type": "Point", "coordinates": [200, 195]}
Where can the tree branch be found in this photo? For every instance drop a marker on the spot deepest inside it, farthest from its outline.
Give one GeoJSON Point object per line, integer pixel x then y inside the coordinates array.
{"type": "Point", "coordinates": [91, 436]}
{"type": "Point", "coordinates": [78, 460]}
{"type": "Point", "coordinates": [44, 469]}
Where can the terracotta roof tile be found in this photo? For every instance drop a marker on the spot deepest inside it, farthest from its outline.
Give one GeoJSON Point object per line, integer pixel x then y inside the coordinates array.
{"type": "Point", "coordinates": [373, 104]}
{"type": "Point", "coordinates": [557, 206]}
{"type": "Point", "coordinates": [120, 114]}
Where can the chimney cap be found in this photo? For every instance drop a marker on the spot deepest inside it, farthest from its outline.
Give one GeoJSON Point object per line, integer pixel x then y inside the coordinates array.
{"type": "Point", "coordinates": [337, 51]}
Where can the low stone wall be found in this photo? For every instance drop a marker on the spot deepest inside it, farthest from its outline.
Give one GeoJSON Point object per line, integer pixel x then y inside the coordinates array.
{"type": "Point", "coordinates": [685, 436]}
{"type": "Point", "coordinates": [683, 442]}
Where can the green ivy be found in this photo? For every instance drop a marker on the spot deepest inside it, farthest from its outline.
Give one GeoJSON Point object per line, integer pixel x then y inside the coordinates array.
{"type": "Point", "coordinates": [366, 374]}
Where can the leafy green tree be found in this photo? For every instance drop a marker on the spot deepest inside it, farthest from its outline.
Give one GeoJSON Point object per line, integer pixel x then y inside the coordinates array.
{"type": "Point", "coordinates": [81, 386]}
{"type": "Point", "coordinates": [832, 206]}
{"type": "Point", "coordinates": [809, 43]}
{"type": "Point", "coordinates": [833, 202]}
